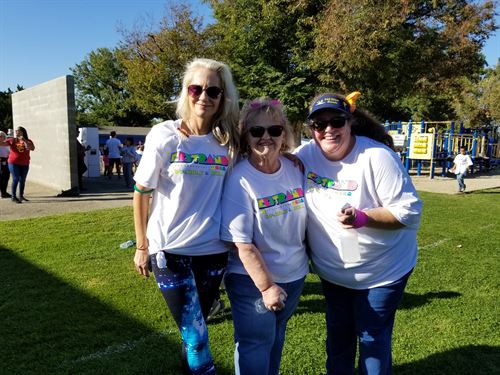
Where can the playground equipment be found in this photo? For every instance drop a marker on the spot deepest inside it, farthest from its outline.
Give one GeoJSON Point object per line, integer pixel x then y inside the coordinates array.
{"type": "Point", "coordinates": [435, 143]}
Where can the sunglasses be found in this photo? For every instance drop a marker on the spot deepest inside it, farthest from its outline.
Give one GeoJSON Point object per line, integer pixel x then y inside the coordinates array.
{"type": "Point", "coordinates": [273, 131]}
{"type": "Point", "coordinates": [335, 122]}
{"type": "Point", "coordinates": [213, 92]}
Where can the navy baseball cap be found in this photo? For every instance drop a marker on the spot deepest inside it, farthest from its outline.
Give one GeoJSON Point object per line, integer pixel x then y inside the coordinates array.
{"type": "Point", "coordinates": [329, 101]}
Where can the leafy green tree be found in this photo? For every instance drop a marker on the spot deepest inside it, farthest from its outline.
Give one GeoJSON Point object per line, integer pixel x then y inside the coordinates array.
{"type": "Point", "coordinates": [478, 103]}
{"type": "Point", "coordinates": [265, 42]}
{"type": "Point", "coordinates": [101, 95]}
{"type": "Point", "coordinates": [407, 57]}
{"type": "Point", "coordinates": [490, 98]}
{"type": "Point", "coordinates": [6, 121]}
{"type": "Point", "coordinates": [154, 62]}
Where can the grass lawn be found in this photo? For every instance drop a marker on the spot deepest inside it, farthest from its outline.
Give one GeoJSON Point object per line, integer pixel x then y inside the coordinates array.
{"type": "Point", "coordinates": [71, 302]}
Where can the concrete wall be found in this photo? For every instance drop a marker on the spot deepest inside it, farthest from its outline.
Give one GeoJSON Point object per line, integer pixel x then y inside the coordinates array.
{"type": "Point", "coordinates": [47, 111]}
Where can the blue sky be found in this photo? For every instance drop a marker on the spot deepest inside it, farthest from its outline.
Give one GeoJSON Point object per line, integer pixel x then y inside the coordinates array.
{"type": "Point", "coordinates": [42, 39]}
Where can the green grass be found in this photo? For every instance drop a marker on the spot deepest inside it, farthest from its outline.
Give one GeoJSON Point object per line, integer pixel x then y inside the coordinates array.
{"type": "Point", "coordinates": [71, 302]}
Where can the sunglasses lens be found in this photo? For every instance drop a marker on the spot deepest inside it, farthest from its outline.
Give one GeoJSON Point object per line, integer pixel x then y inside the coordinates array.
{"type": "Point", "coordinates": [213, 92]}
{"type": "Point", "coordinates": [275, 130]}
{"type": "Point", "coordinates": [335, 122]}
{"type": "Point", "coordinates": [195, 90]}
{"type": "Point", "coordinates": [257, 131]}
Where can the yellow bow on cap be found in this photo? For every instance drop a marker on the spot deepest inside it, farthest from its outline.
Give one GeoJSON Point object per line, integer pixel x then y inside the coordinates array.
{"type": "Point", "coordinates": [351, 99]}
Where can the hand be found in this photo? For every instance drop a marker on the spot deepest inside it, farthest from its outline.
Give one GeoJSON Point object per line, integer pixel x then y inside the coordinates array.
{"type": "Point", "coordinates": [274, 298]}
{"type": "Point", "coordinates": [346, 216]}
{"type": "Point", "coordinates": [141, 262]}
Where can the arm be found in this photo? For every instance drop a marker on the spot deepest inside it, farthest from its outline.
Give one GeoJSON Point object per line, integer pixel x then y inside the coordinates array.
{"type": "Point", "coordinates": [394, 193]}
{"type": "Point", "coordinates": [379, 217]}
{"type": "Point", "coordinates": [141, 212]}
{"type": "Point", "coordinates": [272, 294]}
{"type": "Point", "coordinates": [29, 144]}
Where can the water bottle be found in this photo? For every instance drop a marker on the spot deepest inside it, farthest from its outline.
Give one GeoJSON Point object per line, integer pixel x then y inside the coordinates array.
{"type": "Point", "coordinates": [349, 246]}
{"type": "Point", "coordinates": [261, 308]}
{"type": "Point", "coordinates": [127, 244]}
{"type": "Point", "coordinates": [161, 260]}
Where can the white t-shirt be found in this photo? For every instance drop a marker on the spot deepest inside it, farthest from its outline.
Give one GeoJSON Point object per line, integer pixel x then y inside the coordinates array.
{"type": "Point", "coordinates": [269, 211]}
{"type": "Point", "coordinates": [462, 162]}
{"type": "Point", "coordinates": [187, 174]}
{"type": "Point", "coordinates": [370, 176]}
{"type": "Point", "coordinates": [114, 146]}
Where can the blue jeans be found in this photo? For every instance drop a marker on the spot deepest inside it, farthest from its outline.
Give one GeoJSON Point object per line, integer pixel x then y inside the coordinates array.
{"type": "Point", "coordinates": [127, 174]}
{"type": "Point", "coordinates": [367, 316]}
{"type": "Point", "coordinates": [189, 286]}
{"type": "Point", "coordinates": [259, 334]}
{"type": "Point", "coordinates": [19, 173]}
{"type": "Point", "coordinates": [460, 180]}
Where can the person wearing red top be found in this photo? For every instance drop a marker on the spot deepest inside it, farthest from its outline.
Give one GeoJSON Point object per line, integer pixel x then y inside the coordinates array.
{"type": "Point", "coordinates": [19, 161]}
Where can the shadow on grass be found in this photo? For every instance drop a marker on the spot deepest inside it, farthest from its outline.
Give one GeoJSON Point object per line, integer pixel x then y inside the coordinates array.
{"type": "Point", "coordinates": [50, 327]}
{"type": "Point", "coordinates": [411, 301]}
{"type": "Point", "coordinates": [472, 359]}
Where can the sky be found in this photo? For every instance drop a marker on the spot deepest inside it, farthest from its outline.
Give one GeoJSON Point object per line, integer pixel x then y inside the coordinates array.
{"type": "Point", "coordinates": [42, 39]}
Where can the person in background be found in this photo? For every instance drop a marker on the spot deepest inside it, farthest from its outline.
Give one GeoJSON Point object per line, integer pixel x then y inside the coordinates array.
{"type": "Point", "coordinates": [461, 164]}
{"type": "Point", "coordinates": [139, 151]}
{"type": "Point", "coordinates": [129, 156]}
{"type": "Point", "coordinates": [4, 167]}
{"type": "Point", "coordinates": [183, 167]}
{"type": "Point", "coordinates": [80, 152]}
{"type": "Point", "coordinates": [264, 216]}
{"type": "Point", "coordinates": [363, 217]}
{"type": "Point", "coordinates": [114, 146]}
{"type": "Point", "coordinates": [19, 161]}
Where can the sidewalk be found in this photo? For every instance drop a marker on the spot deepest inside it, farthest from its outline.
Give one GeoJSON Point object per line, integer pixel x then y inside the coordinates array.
{"type": "Point", "coordinates": [103, 193]}
{"type": "Point", "coordinates": [100, 193]}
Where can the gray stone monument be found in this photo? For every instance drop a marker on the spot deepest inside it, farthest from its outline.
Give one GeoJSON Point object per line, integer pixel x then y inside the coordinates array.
{"type": "Point", "coordinates": [47, 111]}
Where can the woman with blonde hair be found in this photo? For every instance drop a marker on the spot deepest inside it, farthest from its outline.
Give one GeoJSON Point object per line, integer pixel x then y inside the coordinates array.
{"type": "Point", "coordinates": [182, 169]}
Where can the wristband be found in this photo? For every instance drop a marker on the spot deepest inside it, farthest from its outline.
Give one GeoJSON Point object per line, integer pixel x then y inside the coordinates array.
{"type": "Point", "coordinates": [361, 219]}
{"type": "Point", "coordinates": [140, 191]}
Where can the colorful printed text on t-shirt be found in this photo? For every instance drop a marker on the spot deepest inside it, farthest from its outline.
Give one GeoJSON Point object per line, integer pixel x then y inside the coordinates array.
{"type": "Point", "coordinates": [342, 187]}
{"type": "Point", "coordinates": [281, 203]}
{"type": "Point", "coordinates": [199, 163]}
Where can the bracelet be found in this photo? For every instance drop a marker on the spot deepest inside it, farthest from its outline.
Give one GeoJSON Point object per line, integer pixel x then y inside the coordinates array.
{"type": "Point", "coordinates": [360, 220]}
{"type": "Point", "coordinates": [140, 191]}
{"type": "Point", "coordinates": [141, 248]}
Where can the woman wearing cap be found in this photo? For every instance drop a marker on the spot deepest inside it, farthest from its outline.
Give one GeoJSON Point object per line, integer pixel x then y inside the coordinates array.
{"type": "Point", "coordinates": [363, 216]}
{"type": "Point", "coordinates": [264, 216]}
{"type": "Point", "coordinates": [183, 168]}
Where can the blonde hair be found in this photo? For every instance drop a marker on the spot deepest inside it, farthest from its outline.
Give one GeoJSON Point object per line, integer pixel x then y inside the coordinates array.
{"type": "Point", "coordinates": [225, 123]}
{"type": "Point", "coordinates": [274, 108]}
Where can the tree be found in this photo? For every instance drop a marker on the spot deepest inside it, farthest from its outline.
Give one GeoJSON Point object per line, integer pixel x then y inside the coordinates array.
{"type": "Point", "coordinates": [478, 103]}
{"type": "Point", "coordinates": [407, 57]}
{"type": "Point", "coordinates": [265, 43]}
{"type": "Point", "coordinates": [101, 95]}
{"type": "Point", "coordinates": [154, 62]}
{"type": "Point", "coordinates": [6, 121]}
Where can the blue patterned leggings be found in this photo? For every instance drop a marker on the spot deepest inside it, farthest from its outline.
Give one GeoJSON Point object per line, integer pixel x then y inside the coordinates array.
{"type": "Point", "coordinates": [190, 285]}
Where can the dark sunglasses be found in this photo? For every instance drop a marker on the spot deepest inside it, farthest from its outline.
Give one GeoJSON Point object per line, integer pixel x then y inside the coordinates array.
{"type": "Point", "coordinates": [213, 92]}
{"type": "Point", "coordinates": [335, 122]}
{"type": "Point", "coordinates": [273, 131]}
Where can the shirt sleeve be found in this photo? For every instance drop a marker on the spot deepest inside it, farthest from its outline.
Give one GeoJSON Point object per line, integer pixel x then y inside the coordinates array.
{"type": "Point", "coordinates": [150, 167]}
{"type": "Point", "coordinates": [237, 212]}
{"type": "Point", "coordinates": [395, 190]}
